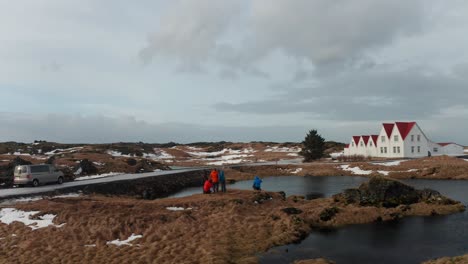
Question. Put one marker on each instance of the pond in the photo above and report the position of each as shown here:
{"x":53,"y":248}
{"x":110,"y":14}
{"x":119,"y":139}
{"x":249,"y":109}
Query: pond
{"x":294,"y":185}
{"x":409,"y":240}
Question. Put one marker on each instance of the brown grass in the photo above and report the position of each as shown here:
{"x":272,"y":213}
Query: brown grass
{"x":449,"y":260}
{"x":221,"y":228}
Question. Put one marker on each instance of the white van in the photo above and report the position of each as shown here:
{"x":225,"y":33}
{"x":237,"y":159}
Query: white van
{"x":37,"y":174}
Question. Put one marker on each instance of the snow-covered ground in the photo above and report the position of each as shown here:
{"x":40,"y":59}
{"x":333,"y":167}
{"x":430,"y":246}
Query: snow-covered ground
{"x":177,"y":208}
{"x":389,"y":163}
{"x":37,"y":198}
{"x":296,"y":171}
{"x":126,"y":242}
{"x":63,"y":151}
{"x":10,"y":215}
{"x":359,"y":171}
{"x":355,"y":170}
{"x":282,"y":149}
{"x":82,"y":178}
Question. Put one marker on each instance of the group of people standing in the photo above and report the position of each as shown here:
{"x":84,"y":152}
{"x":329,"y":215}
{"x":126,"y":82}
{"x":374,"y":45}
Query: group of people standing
{"x":214,"y":180}
{"x":217,"y":178}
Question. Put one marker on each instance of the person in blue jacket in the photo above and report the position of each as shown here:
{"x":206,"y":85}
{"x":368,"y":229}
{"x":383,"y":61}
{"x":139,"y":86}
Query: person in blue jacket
{"x":222,"y":180}
{"x":257,"y":183}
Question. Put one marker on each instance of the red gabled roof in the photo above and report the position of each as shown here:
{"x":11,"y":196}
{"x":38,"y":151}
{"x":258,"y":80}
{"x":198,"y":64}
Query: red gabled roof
{"x":356,"y":139}
{"x":405,"y":128}
{"x":366,"y":139}
{"x":388,"y":129}
{"x":375,"y":138}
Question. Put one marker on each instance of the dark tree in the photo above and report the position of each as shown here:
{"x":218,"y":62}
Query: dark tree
{"x":313,"y":146}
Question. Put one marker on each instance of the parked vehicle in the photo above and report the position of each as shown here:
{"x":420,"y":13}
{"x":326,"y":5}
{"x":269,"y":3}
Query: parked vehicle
{"x":37,"y":174}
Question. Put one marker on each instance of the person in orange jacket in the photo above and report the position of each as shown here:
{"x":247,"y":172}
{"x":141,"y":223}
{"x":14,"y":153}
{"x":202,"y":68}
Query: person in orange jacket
{"x":207,"y":187}
{"x":215,"y":180}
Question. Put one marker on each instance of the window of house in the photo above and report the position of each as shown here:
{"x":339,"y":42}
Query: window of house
{"x":394,"y":149}
{"x":382,"y":138}
{"x":412,"y":149}
{"x":385,"y":149}
{"x":412,"y":137}
{"x":419,"y":149}
{"x":362,"y":144}
{"x":395,"y":138}
{"x":398,"y":149}
{"x":436,"y":149}
{"x":381,"y":150}
{"x":370,"y":144}
{"x":353,"y":144}
{"x":419,"y":137}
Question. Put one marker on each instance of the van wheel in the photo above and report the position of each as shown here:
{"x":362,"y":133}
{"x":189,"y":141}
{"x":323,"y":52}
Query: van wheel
{"x":60,"y":180}
{"x":35,"y":183}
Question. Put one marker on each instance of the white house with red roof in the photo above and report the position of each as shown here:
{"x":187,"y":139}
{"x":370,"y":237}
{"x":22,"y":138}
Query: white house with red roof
{"x":400,"y":140}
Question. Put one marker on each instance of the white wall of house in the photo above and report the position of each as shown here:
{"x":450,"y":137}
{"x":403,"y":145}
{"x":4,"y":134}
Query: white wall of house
{"x":396,"y":144}
{"x":416,"y":143}
{"x":453,"y":150}
{"x":383,"y":144}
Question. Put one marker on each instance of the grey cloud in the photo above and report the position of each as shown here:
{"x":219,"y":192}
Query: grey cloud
{"x":365,"y":95}
{"x":98,"y":129}
{"x":329,"y":34}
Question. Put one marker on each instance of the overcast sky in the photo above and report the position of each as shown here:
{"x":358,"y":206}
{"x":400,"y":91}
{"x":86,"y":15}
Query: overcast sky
{"x":237,"y":70}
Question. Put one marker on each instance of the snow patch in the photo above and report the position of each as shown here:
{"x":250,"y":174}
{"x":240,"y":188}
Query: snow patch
{"x":390,"y":163}
{"x":10,"y":215}
{"x":63,"y":151}
{"x":282,"y":149}
{"x":126,"y":242}
{"x":297,"y":170}
{"x":355,"y":170}
{"x":78,"y":171}
{"x":177,"y":208}
{"x":98,"y":176}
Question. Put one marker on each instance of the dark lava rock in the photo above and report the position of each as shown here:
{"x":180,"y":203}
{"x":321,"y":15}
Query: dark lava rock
{"x":328,"y":213}
{"x":380,"y":191}
{"x":291,"y":210}
{"x":132,"y":162}
{"x":352,"y":196}
{"x":283,"y":195}
{"x":51,"y":160}
{"x":314,"y":195}
{"x":146,"y":165}
{"x":260,"y":197}
{"x":87,"y":167}
{"x":434,"y":197}
{"x":383,"y":192}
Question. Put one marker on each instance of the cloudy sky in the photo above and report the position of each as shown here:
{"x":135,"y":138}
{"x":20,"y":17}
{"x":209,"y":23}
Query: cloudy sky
{"x":238,"y":70}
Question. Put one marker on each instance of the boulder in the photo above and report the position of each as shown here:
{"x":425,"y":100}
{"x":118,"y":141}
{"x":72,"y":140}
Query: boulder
{"x":328,"y":213}
{"x":291,"y":210}
{"x":85,"y":167}
{"x":381,"y":192}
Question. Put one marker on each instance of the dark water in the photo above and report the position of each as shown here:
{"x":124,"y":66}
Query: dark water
{"x":294,"y":185}
{"x":409,"y":240}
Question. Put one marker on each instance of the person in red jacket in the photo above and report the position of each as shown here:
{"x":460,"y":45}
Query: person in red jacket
{"x":215,"y":180}
{"x":207,"y":187}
